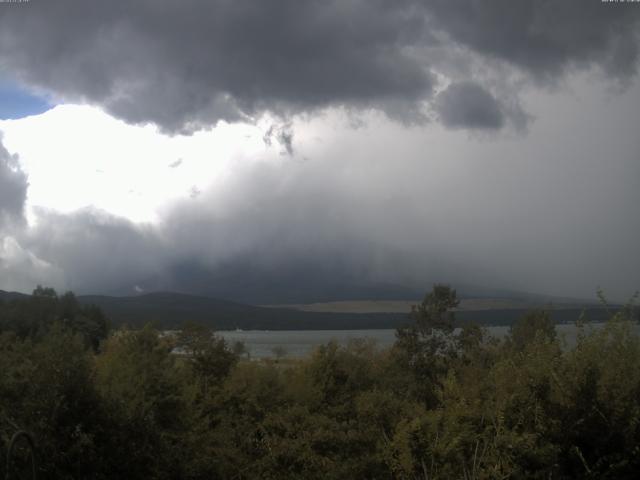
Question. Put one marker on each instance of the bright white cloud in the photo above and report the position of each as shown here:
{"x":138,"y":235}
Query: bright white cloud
{"x":78,"y":156}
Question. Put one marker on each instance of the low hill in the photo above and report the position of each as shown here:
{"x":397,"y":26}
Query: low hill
{"x":404,"y":306}
{"x":170,"y":310}
{"x":167,"y":310}
{"x":8,"y":296}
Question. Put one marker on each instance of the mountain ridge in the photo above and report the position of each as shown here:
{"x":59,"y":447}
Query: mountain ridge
{"x":169,"y":310}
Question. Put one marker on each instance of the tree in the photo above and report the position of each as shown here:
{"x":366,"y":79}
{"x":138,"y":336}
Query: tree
{"x":140,"y":383}
{"x":279,"y":351}
{"x":240,"y":349}
{"x":427,"y":345}
{"x":207,"y":354}
{"x":47,"y":389}
{"x":534,"y":325}
{"x":46,"y":292}
{"x":34,"y":316}
{"x":435,"y":312}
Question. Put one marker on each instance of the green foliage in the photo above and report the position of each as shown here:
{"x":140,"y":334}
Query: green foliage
{"x":140,"y":385}
{"x":534,"y":326}
{"x":445,"y":402}
{"x":207,"y":354}
{"x":46,"y":388}
{"x":427,"y":346}
{"x":34,"y":316}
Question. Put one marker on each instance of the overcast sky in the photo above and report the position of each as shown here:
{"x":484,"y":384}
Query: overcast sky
{"x":200,"y":144}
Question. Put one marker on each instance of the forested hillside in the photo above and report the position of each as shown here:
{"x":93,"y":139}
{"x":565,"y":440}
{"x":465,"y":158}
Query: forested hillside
{"x":440,"y":404}
{"x":167,"y":310}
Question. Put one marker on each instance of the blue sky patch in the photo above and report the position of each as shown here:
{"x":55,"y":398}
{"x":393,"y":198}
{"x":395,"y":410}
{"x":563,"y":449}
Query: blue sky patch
{"x":17,"y":103}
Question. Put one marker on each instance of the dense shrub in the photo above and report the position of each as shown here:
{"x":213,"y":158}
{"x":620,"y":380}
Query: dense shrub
{"x":441,"y":403}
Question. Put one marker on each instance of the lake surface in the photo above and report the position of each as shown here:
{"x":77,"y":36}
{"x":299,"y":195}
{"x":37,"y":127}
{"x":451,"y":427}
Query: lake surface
{"x":299,"y":343}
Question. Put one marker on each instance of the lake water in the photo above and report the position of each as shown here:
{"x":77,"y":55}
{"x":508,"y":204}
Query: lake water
{"x":298,"y":343}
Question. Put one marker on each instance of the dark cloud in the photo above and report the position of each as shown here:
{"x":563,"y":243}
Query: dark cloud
{"x":13,"y":187}
{"x":97,"y":251}
{"x":286,"y":138}
{"x":187,"y":64}
{"x":283,"y":134}
{"x":468,"y":105}
{"x":184,"y":65}
{"x":545,"y":37}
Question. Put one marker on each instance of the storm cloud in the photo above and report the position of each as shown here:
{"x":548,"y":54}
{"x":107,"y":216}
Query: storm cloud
{"x":386,"y":210}
{"x":545,"y":38}
{"x":468,"y":105}
{"x":96,"y":250}
{"x":185,"y":65}
{"x":403,"y":200}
